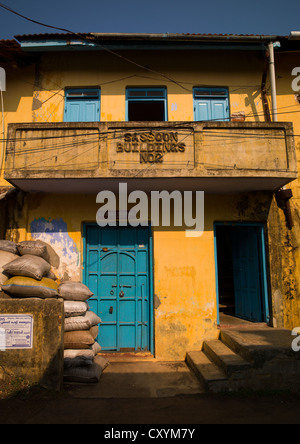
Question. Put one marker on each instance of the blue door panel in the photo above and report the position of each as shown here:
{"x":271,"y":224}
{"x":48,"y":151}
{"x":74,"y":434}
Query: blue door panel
{"x":118,"y":272}
{"x":93,"y":305}
{"x":247,"y":273}
{"x":127,"y":337}
{"x":108,"y":337}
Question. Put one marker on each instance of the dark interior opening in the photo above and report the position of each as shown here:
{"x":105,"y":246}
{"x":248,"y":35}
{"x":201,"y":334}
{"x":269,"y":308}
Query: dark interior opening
{"x":225,"y":270}
{"x":146,"y":111}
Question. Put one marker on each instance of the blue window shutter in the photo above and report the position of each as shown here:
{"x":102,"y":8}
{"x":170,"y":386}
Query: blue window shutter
{"x":90,"y":111}
{"x":73,"y":112}
{"x":219,"y":109}
{"x":82,"y":105}
{"x":203,"y":110}
{"x":211,"y":104}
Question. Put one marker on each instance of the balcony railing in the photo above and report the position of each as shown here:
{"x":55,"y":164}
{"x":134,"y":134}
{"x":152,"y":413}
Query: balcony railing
{"x":257,"y":155}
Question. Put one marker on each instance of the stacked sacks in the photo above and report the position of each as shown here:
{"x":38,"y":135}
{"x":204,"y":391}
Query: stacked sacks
{"x":29,"y":272}
{"x":8,"y":253}
{"x":25,"y":272}
{"x":81,"y":331}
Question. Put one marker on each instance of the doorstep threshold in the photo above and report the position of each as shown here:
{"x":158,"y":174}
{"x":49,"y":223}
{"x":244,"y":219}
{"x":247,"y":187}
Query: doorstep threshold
{"x":127,"y":356}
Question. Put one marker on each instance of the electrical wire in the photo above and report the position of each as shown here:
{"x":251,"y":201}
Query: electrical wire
{"x":89,"y":39}
{"x":213,"y":136}
{"x":95,"y":42}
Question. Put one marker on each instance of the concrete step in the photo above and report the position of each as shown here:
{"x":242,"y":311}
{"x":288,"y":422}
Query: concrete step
{"x":248,"y":359}
{"x":225,"y":358}
{"x":209,"y":374}
{"x":260,"y":345}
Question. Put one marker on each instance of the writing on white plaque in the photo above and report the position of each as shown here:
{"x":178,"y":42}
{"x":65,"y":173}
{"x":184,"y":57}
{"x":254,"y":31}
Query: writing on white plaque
{"x":16,"y":331}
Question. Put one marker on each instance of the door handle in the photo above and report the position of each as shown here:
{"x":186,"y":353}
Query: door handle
{"x":111,"y":310}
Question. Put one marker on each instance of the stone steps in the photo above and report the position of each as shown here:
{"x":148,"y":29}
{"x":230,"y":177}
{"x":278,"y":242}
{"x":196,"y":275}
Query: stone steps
{"x":260,"y":359}
{"x":208,"y":373}
{"x":225,"y":358}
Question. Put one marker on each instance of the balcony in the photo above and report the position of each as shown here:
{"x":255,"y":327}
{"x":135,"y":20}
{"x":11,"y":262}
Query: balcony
{"x":216,"y":157}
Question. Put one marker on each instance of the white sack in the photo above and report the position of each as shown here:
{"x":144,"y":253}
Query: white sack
{"x":85,"y":322}
{"x":75,"y":308}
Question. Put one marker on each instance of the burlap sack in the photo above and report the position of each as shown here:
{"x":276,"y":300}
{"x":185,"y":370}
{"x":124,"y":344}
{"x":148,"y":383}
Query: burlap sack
{"x":29,"y":266}
{"x":78,"y":358}
{"x":74,"y":291}
{"x":101,"y":361}
{"x":5,"y":258}
{"x":25,"y":287}
{"x":96,"y":348}
{"x":36,"y":248}
{"x":9,"y":246}
{"x":78,"y":340}
{"x":75,"y":308}
{"x":87,"y":374}
{"x":85,"y":322}
{"x":51,"y":275}
{"x":94,"y":331}
{"x":71,"y":354}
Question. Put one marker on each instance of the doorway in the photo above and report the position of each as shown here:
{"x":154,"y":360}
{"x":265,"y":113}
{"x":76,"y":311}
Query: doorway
{"x":241,"y":271}
{"x":118,"y":270}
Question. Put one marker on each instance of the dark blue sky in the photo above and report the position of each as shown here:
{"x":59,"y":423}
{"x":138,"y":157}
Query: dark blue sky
{"x":153,"y":16}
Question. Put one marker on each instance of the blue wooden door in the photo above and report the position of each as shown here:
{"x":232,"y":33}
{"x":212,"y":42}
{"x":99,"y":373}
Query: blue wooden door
{"x":117,"y":270}
{"x":247,"y":273}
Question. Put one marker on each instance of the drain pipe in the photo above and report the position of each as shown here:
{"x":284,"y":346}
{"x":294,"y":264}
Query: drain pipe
{"x":273,"y":80}
{"x":263,"y":89}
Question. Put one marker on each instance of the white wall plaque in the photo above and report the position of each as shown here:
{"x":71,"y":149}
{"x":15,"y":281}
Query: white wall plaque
{"x":16,"y":331}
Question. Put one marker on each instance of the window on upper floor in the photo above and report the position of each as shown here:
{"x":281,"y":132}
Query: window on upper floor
{"x":82,"y":105}
{"x":146,"y":105}
{"x":211,"y":104}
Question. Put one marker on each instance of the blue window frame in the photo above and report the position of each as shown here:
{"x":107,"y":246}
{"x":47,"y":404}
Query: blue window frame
{"x":211,"y":104}
{"x":82,"y":105}
{"x":146,"y":104}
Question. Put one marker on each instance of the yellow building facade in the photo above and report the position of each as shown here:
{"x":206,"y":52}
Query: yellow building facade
{"x":84,"y":114}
